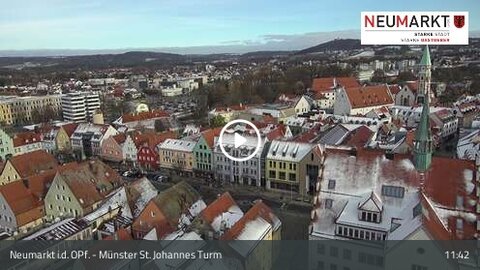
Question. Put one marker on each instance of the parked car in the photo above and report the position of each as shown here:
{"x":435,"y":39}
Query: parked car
{"x":161,"y":178}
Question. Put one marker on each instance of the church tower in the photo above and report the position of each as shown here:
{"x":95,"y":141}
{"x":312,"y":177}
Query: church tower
{"x":423,"y":145}
{"x":425,"y":77}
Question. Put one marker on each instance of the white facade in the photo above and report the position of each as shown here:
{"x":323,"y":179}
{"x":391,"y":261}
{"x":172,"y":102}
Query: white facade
{"x":245,"y":172}
{"x":405,"y":97}
{"x":80,"y":106}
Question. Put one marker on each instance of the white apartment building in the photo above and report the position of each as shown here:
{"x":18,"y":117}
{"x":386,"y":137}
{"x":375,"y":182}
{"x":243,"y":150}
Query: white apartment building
{"x":80,"y":106}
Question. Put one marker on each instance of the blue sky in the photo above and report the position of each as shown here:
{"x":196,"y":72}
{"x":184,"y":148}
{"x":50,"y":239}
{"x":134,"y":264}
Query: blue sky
{"x":117,"y":24}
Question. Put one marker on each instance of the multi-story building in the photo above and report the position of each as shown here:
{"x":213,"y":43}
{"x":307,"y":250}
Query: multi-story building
{"x":147,"y":154}
{"x":21,"y":210}
{"x":176,"y":154}
{"x":242,"y":172}
{"x":26,"y":142}
{"x":361,"y":100}
{"x":80,"y":106}
{"x":323,"y":89}
{"x":6,"y":145}
{"x":203,"y":152}
{"x":87,"y":139}
{"x":26,"y":165}
{"x":293,"y":167}
{"x":20,"y":110}
{"x":78,"y":190}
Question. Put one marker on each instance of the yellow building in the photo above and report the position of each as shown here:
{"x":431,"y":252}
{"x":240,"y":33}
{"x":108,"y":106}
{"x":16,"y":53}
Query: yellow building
{"x":22,"y":166}
{"x":293,"y":167}
{"x":176,"y":154}
{"x":19,"y":110}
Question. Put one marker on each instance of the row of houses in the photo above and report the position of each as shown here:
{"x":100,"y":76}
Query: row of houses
{"x":84,"y":201}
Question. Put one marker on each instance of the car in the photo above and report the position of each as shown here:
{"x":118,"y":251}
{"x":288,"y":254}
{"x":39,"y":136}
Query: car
{"x":161,"y":178}
{"x":127,"y":173}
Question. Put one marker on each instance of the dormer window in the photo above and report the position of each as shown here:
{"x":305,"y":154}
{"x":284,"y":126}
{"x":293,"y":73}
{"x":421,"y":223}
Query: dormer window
{"x":370,"y":209}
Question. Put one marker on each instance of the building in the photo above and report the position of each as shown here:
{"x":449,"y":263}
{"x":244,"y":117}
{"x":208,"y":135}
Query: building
{"x":468,"y":146}
{"x":25,"y":165}
{"x":78,"y":190}
{"x":21,"y":210}
{"x":147,"y":154}
{"x":26,"y":142}
{"x":203,"y":152}
{"x":80,"y":106}
{"x":56,"y":139}
{"x":6,"y":145}
{"x":280,"y":112}
{"x":293,"y":167}
{"x":446,"y":122}
{"x":87,"y":139}
{"x":240,"y":172}
{"x":407,"y":96}
{"x":176,"y":154}
{"x":324,"y":89}
{"x":146,"y":119}
{"x":361,"y":100}
{"x":259,"y":225}
{"x":302,"y":104}
{"x":21,"y":110}
{"x":218,"y":217}
{"x":170,"y":210}
{"x":228,"y":113}
{"x":112,"y":148}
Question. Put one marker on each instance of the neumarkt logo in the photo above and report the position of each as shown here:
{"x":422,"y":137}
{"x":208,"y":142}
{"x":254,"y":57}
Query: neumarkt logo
{"x":414,"y":28}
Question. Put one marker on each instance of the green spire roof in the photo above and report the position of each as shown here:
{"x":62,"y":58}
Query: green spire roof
{"x":426,"y":57}
{"x":423,"y":147}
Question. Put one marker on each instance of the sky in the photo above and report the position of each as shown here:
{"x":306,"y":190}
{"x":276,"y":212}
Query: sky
{"x":177,"y":24}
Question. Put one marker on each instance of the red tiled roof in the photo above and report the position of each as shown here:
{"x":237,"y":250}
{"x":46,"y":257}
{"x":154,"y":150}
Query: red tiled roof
{"x":120,"y":138}
{"x":120,"y":234}
{"x":394,"y":89}
{"x":152,"y":139}
{"x":126,"y":118}
{"x":369,"y":96}
{"x":327,"y":83}
{"x":25,"y":138}
{"x":236,"y":107}
{"x":33,"y":163}
{"x":259,"y":209}
{"x":210,"y":134}
{"x":359,"y":137}
{"x":23,"y":203}
{"x":69,"y":128}
{"x":277,"y":133}
{"x":217,"y":207}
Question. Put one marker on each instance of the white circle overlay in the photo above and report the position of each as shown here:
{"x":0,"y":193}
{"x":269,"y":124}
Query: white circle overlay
{"x":240,"y":121}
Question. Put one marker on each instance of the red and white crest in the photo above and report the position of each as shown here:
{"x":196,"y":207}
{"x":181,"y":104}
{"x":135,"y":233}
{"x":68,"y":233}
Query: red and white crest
{"x":459,"y":21}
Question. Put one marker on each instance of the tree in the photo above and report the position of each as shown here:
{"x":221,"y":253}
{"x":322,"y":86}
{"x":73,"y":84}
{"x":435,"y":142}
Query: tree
{"x":405,"y":76}
{"x":378,"y":76}
{"x":159,"y":126}
{"x":217,"y":121}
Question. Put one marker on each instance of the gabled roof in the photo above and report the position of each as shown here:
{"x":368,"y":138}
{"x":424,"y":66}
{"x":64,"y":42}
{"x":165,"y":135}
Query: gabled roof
{"x":70,"y":128}
{"x":27,"y":137}
{"x":372,"y":203}
{"x":369,"y":96}
{"x":210,"y":134}
{"x":120,"y":138}
{"x":328,"y":83}
{"x":33,"y":163}
{"x":152,"y":139}
{"x":359,"y":137}
{"x":23,"y":203}
{"x":258,"y":211}
{"x":220,"y":205}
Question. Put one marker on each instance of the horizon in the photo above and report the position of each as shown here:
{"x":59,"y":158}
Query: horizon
{"x":190,"y":27}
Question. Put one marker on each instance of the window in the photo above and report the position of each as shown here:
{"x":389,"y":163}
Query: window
{"x":417,"y":210}
{"x":292,"y":177}
{"x":419,"y":267}
{"x":331,"y":184}
{"x":282,"y":176}
{"x":347,"y":254}
{"x":393,"y":191}
{"x":152,"y":214}
{"x":334,"y":251}
{"x":321,"y":249}
{"x":328,"y":203}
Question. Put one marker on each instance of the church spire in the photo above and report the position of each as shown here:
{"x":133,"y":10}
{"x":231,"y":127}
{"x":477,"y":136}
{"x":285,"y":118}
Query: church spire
{"x":424,"y":76}
{"x":423,"y":147}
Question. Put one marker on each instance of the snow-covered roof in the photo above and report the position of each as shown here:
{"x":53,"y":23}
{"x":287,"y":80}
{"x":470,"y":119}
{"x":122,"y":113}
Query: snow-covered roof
{"x":289,"y":151}
{"x":177,"y":145}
